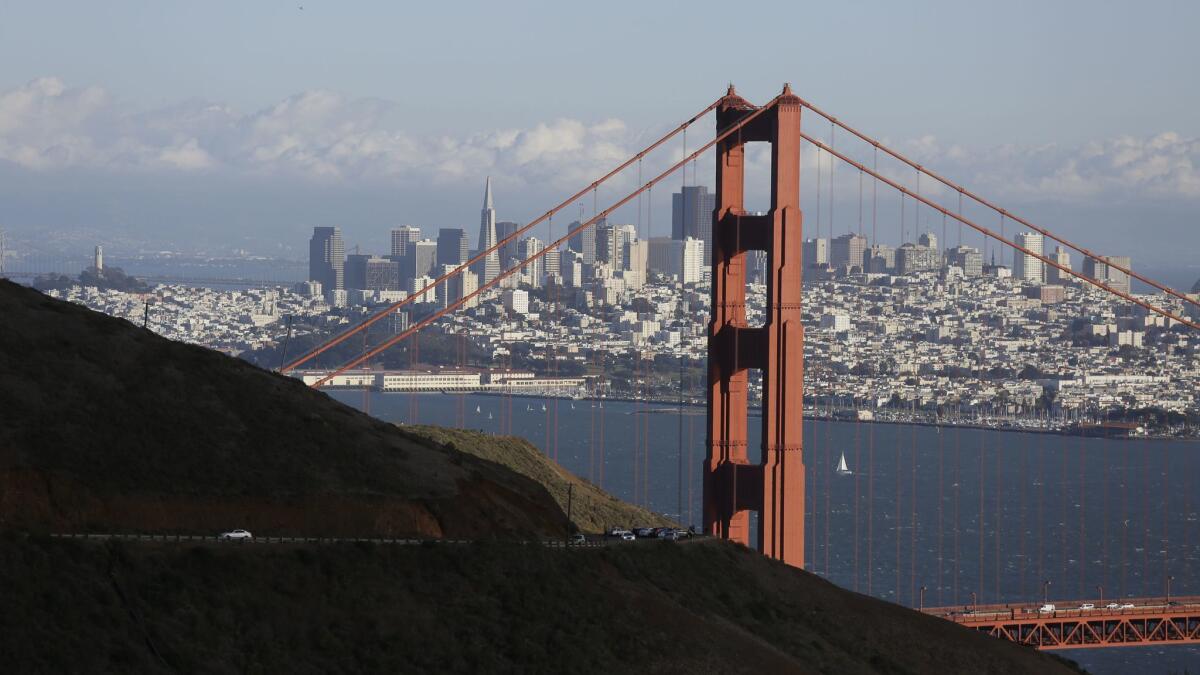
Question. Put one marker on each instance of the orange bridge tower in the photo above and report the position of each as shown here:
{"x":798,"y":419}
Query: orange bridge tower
{"x":774,"y":487}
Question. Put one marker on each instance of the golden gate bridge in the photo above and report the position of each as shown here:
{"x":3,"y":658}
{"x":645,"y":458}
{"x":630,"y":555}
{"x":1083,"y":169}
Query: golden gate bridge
{"x":773,"y":484}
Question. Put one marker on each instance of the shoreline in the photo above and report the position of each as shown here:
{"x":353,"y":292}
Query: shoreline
{"x":672,"y":407}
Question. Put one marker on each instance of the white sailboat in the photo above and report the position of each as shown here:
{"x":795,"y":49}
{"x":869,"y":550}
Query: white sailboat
{"x":489,"y":415}
{"x":476,"y":410}
{"x":842,"y":469}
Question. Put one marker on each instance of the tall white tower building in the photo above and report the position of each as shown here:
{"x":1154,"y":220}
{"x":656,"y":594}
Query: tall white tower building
{"x":99,"y":261}
{"x":490,"y":267}
{"x":1027,"y":267}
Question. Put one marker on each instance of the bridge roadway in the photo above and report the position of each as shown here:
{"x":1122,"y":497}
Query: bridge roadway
{"x":1127,"y":623}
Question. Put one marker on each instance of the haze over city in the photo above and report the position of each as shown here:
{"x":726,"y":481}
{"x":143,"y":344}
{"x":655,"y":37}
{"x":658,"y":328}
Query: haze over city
{"x":254,"y":122}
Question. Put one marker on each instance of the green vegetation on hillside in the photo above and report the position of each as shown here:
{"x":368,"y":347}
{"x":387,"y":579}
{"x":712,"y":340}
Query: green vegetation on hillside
{"x":592,"y":509}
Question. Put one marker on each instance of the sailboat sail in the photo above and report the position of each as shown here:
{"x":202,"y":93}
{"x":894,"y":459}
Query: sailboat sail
{"x":841,"y":467}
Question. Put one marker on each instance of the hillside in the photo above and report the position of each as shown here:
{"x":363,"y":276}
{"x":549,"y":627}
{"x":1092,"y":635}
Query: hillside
{"x":108,"y":427}
{"x":592,"y":509}
{"x":655,"y":607}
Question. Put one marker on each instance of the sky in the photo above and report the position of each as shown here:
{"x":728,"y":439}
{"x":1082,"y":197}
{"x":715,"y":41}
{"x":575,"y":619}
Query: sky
{"x":243,"y":124}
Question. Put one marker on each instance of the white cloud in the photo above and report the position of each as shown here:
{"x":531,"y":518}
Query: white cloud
{"x":323,"y":136}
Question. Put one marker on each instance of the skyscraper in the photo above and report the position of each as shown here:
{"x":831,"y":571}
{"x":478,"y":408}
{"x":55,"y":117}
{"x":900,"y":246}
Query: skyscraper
{"x":489,"y":267}
{"x":1027,"y":267}
{"x":403,"y":236}
{"x":533,"y":271}
{"x":692,"y":216}
{"x":967,"y":258}
{"x":1055,"y":275}
{"x":452,"y":246}
{"x":816,"y":252}
{"x":1101,"y":271}
{"x":327,"y":258}
{"x":369,"y":273}
{"x":508,"y":252}
{"x":692,"y":267}
{"x":849,"y":250}
{"x":420,"y":261}
{"x":584,"y":241}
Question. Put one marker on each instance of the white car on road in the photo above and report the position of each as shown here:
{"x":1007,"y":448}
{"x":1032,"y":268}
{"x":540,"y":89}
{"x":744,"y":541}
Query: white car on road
{"x":236,"y":535}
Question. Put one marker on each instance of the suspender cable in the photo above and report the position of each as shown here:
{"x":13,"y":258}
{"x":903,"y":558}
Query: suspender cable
{"x":962,"y":190}
{"x":736,"y":127}
{"x":507,"y":240}
{"x":993,"y":235}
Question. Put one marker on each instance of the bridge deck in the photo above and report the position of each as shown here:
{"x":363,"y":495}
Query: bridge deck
{"x":1069,"y":626}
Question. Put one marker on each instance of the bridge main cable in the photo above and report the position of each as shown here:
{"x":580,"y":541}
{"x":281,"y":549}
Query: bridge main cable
{"x":990,"y":233}
{"x":547,"y":249}
{"x":380,"y":315}
{"x":984,"y":202}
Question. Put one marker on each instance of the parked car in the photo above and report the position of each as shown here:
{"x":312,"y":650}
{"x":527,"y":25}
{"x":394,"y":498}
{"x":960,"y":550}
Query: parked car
{"x":683,"y":534}
{"x":1046,"y":609}
{"x":236,"y":535}
{"x":644,"y":532}
{"x":628,"y":536}
{"x":668,"y":534}
{"x":578,"y":538}
{"x":618,"y":532}
{"x":1087,"y":605}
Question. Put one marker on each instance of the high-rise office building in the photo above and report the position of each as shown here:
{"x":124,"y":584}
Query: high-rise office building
{"x":1102,"y":271}
{"x":403,"y":236}
{"x":327,"y":258}
{"x":459,"y":286}
{"x":634,"y":270}
{"x":692,"y":266}
{"x":692,"y":216}
{"x":966,"y":258}
{"x":663,"y":256}
{"x":1027,"y":267}
{"x":881,"y":259}
{"x":508,"y":252}
{"x":816,"y":252}
{"x":370,"y":273}
{"x":610,"y":244}
{"x":584,"y":242}
{"x":848,"y":250}
{"x":571,"y":268}
{"x":1055,"y":275}
{"x":912,"y":258}
{"x":928,"y":240}
{"x":421,"y":260}
{"x":453,"y":246}
{"x":534,"y":271}
{"x":489,"y":266}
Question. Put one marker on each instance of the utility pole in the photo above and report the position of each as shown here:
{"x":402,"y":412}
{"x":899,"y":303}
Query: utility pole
{"x":570,"y":499}
{"x":1,"y":253}
{"x":146,"y":314}
{"x":287,"y":338}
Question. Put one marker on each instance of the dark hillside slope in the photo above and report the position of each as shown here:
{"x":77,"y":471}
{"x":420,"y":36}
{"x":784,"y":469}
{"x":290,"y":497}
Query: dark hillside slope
{"x":107,"y":427}
{"x":654,"y":607}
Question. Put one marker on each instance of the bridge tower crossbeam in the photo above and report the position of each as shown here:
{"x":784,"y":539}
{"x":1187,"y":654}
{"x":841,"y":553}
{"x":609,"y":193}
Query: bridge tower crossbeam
{"x":774,"y":486}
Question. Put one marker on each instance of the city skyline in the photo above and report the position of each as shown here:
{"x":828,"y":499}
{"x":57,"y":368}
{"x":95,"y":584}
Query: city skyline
{"x":132,"y":154}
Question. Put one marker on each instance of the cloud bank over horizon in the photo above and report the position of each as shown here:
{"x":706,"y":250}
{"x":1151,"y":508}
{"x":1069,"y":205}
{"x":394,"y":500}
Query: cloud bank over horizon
{"x":91,"y":158}
{"x":322,"y":136}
